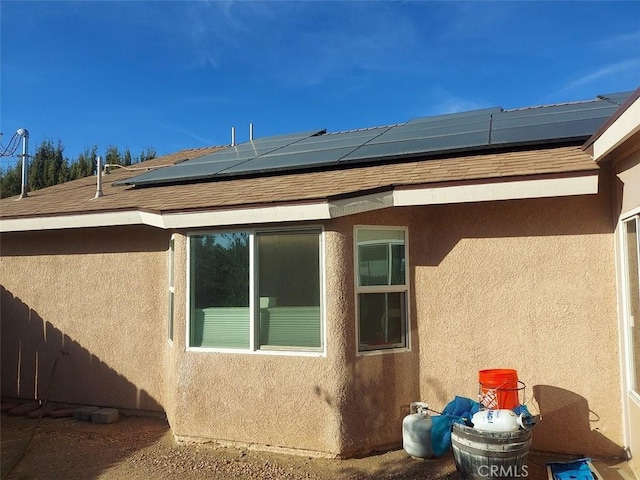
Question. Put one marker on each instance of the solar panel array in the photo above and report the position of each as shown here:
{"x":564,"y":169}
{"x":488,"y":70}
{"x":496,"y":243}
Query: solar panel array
{"x":422,"y":137}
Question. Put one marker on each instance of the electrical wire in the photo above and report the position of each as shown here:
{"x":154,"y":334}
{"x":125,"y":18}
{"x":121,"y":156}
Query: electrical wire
{"x":11,"y":147}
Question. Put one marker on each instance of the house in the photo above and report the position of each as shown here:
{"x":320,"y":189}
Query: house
{"x":297,"y":292}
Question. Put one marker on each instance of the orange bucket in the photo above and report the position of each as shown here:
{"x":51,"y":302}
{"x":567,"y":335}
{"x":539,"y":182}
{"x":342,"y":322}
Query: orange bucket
{"x":499,"y":388}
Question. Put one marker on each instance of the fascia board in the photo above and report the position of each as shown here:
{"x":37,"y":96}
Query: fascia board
{"x":482,"y":192}
{"x":273,"y":214}
{"x":285,"y":213}
{"x":485,"y":192}
{"x":624,"y":127}
{"x":107,"y":219}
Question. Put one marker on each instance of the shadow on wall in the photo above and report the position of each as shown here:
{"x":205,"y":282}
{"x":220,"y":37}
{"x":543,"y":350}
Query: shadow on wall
{"x":565,"y":411}
{"x":30,"y":347}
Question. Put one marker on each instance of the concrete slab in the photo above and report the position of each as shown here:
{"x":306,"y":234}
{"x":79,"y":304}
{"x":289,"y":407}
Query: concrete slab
{"x":105,"y":415}
{"x":6,"y":406}
{"x":62,"y":412}
{"x":45,"y":412}
{"x":84,"y":413}
{"x":23,"y":409}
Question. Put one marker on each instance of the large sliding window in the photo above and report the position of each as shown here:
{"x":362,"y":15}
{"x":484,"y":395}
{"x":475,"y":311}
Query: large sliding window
{"x":631,"y":238}
{"x":381,"y":288}
{"x":256,"y":290}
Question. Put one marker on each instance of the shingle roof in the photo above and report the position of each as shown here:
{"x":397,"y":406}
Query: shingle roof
{"x":461,"y":133}
{"x":77,"y":197}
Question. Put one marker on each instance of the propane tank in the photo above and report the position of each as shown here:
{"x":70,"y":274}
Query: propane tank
{"x":497,"y":421}
{"x":416,"y":431}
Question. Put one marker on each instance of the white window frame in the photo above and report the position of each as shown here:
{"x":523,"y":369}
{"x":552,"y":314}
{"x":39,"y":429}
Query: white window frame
{"x":254,"y":348}
{"x":629,"y":368}
{"x":406,"y":289}
{"x":171,"y":289}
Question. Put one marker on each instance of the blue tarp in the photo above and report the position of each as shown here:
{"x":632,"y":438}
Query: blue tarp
{"x":457,"y":411}
{"x":577,"y":469}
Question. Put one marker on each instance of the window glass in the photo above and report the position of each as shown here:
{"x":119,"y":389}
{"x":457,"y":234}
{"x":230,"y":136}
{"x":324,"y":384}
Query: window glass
{"x":633,"y":303}
{"x":220,"y":290}
{"x":289,"y":289}
{"x":382,"y":290}
{"x":270,"y":278}
{"x":382,"y":319}
{"x":171,"y":288}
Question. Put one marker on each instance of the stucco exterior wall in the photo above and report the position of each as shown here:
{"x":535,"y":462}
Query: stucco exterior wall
{"x":324,"y":405}
{"x":527,"y":284}
{"x":628,"y":173}
{"x":97,"y":294}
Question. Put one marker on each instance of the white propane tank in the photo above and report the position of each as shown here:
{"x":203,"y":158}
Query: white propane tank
{"x":496,"y":421}
{"x":416,"y":431}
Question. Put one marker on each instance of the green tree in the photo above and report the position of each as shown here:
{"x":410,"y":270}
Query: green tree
{"x":147,"y":154}
{"x":11,"y":181}
{"x":126,"y":158}
{"x":113,"y":157}
{"x":85,"y":164}
{"x":47,"y":166}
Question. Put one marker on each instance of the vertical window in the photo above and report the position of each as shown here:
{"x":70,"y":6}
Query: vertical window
{"x":171,"y":288}
{"x":632,"y":254}
{"x":381,"y":288}
{"x":220,"y":290}
{"x":256,"y":290}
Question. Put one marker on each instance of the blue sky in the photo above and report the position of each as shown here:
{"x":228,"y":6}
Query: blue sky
{"x":179,"y":74}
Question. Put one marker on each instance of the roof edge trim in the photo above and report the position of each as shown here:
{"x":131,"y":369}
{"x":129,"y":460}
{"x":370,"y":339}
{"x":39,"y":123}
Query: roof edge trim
{"x":586,"y":184}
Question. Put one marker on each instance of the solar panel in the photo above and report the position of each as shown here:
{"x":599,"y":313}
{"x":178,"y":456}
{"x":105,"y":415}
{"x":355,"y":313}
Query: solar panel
{"x":428,"y":136}
{"x":556,"y":122}
{"x":215,"y":163}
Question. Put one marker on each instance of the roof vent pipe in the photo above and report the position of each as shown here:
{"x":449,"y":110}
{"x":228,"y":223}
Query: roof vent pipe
{"x":23,"y":132}
{"x":99,"y":177}
{"x":233,"y":136}
{"x":251,"y":132}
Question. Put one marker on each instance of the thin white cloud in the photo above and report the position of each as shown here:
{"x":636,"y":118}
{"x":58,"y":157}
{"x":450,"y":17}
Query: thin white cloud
{"x":188,"y":133}
{"x":605,"y":72}
{"x":620,"y":41}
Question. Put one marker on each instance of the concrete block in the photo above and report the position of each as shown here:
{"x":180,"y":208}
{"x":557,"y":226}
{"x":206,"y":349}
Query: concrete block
{"x":84,"y":413}
{"x":105,"y":415}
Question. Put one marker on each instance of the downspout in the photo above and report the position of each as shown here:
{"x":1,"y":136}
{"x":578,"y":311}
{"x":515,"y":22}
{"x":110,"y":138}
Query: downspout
{"x":24,"y":133}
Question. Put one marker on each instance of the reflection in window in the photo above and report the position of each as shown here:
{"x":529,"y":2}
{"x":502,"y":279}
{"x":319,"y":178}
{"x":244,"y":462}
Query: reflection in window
{"x":381,"y":285}
{"x":281,"y":311}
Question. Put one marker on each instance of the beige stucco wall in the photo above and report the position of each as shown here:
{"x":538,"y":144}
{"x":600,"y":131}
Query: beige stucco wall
{"x":627,"y":171}
{"x":99,"y":294}
{"x":321,"y":404}
{"x":526,"y":284}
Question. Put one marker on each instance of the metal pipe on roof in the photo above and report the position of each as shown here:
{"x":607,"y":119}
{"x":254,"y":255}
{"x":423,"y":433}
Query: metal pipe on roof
{"x":251,"y":132}
{"x":24,"y":133}
{"x":99,"y":174}
{"x":233,"y":136}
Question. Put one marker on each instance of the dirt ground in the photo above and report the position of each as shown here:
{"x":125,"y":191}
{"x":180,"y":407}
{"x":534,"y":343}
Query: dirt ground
{"x":140,"y":448}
